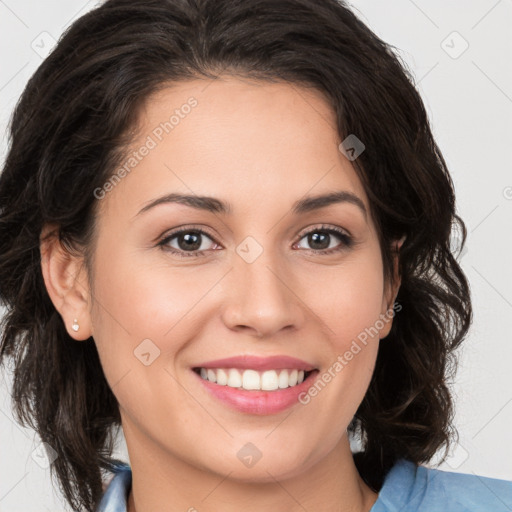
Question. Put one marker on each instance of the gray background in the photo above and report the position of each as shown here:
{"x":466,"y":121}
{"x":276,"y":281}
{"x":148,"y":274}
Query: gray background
{"x":468,"y":94}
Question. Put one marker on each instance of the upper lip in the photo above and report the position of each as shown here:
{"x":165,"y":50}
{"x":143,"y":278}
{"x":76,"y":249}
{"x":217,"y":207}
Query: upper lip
{"x":258,"y":363}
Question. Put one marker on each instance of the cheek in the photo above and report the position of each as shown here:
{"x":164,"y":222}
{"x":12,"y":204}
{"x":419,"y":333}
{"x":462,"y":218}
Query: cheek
{"x":140,"y":301}
{"x":351,"y":308}
{"x":350,"y":299}
{"x":144,"y":315}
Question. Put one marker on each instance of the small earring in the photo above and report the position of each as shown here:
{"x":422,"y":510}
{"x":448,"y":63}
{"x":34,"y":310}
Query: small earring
{"x":75,"y":325}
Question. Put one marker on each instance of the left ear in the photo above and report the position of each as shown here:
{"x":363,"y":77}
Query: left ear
{"x":391,"y":291}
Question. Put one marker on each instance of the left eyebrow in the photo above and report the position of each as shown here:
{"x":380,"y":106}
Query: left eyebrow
{"x":215,"y":205}
{"x":321,"y":201}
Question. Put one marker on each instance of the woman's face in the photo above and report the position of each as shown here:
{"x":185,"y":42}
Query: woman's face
{"x":248,"y":280}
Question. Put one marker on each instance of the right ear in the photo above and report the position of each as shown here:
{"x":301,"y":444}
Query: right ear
{"x":65,"y":279}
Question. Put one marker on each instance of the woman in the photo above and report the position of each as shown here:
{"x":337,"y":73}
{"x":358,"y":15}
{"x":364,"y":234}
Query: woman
{"x":225,"y":227}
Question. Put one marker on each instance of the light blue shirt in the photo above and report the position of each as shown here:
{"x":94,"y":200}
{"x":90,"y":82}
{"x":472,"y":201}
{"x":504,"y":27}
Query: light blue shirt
{"x":407,"y":488}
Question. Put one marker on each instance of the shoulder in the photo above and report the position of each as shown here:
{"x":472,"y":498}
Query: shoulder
{"x":115,"y":496}
{"x":415,"y":488}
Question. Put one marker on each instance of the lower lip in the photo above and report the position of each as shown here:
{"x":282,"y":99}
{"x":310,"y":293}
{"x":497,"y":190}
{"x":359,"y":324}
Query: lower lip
{"x":258,"y":402}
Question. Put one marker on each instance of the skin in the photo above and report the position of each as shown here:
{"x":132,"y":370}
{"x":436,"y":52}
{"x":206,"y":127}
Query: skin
{"x":260,"y":147}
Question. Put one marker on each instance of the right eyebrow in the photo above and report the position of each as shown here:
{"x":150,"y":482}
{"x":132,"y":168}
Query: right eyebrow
{"x":210,"y":204}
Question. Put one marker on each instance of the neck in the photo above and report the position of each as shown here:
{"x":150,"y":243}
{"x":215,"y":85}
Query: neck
{"x":331,"y":485}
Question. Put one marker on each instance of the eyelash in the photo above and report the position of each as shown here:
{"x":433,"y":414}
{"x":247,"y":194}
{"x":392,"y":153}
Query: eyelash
{"x":346,"y":241}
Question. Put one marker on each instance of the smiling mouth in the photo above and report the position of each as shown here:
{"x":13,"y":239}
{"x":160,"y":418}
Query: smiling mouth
{"x":249,"y":379}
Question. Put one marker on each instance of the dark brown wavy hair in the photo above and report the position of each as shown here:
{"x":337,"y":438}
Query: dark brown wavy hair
{"x":67,"y":136}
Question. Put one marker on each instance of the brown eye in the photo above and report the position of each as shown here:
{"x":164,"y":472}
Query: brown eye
{"x":187,"y":242}
{"x":323,"y":240}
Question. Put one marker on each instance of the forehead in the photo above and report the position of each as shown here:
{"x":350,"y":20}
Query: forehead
{"x":235,"y":138}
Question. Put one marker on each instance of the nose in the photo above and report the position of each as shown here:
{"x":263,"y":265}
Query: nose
{"x":260,"y":298}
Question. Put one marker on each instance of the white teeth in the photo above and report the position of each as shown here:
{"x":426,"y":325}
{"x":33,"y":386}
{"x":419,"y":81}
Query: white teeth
{"x":283,"y":380}
{"x":234,"y":379}
{"x":268,"y":380}
{"x":251,"y":380}
{"x":222,"y":377}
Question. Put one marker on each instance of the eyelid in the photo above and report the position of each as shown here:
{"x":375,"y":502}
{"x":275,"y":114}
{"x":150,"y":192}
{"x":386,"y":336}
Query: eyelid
{"x":187,"y":227}
{"x":323,"y":227}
